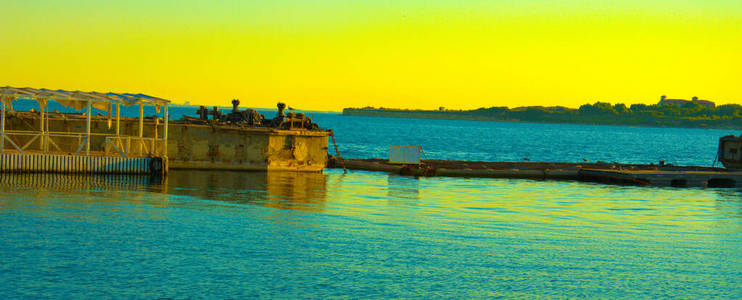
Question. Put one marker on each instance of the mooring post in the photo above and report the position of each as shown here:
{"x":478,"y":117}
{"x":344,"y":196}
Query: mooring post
{"x":87,"y":129}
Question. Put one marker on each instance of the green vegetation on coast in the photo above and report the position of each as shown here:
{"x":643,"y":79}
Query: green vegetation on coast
{"x":692,"y":114}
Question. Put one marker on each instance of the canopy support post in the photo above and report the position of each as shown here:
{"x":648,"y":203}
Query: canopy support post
{"x":42,"y":107}
{"x":46,"y":127}
{"x":141,"y":127}
{"x":118,"y":118}
{"x":87,"y":140}
{"x":110,"y":115}
{"x":2,"y":125}
{"x":164,"y":135}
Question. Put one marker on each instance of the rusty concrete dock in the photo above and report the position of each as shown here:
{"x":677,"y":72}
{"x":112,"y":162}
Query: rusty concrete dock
{"x":612,"y":173}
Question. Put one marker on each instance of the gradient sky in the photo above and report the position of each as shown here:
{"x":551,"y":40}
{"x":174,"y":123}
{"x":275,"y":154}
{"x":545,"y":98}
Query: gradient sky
{"x":326,"y":55}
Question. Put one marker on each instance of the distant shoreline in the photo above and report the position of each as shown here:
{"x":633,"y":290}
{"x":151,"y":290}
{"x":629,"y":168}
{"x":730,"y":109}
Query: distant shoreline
{"x":692,"y":115}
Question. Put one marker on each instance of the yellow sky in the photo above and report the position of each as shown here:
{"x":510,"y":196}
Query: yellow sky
{"x":326,"y":55}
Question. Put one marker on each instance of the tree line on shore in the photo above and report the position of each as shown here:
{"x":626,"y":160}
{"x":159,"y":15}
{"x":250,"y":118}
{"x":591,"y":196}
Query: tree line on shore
{"x":691,"y":114}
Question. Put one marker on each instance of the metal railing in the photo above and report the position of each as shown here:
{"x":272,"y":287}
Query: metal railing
{"x":25,"y":139}
{"x":132,"y":146}
{"x":60,"y":142}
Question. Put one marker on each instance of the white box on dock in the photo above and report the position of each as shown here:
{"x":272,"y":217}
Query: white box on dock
{"x":405,"y":154}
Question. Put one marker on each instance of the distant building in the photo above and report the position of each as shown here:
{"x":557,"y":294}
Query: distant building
{"x":665,"y":101}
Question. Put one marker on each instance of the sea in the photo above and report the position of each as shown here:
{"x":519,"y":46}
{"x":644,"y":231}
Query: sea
{"x":218,"y":234}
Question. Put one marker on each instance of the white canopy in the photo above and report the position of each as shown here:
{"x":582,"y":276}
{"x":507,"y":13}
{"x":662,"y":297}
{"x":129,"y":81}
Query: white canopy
{"x":77,"y":99}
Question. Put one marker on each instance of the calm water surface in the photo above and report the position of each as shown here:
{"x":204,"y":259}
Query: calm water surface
{"x":366,"y":234}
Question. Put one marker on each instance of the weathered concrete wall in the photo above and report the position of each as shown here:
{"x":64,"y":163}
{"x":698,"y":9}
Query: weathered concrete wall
{"x":207,"y":147}
{"x":194,"y":146}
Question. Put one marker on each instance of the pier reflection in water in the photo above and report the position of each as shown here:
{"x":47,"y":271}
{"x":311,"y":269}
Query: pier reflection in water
{"x":73,"y":182}
{"x":403,"y":189}
{"x":83,"y":197}
{"x":282,"y":190}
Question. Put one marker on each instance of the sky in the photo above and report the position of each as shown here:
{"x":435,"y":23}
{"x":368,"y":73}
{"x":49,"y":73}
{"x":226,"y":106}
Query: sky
{"x":327,"y":55}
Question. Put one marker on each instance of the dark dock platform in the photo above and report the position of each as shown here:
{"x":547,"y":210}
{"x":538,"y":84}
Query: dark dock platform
{"x":677,"y":178}
{"x":612,"y":173}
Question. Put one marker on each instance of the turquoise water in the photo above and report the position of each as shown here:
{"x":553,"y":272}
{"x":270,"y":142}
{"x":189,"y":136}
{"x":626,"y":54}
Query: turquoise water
{"x":374,"y":235}
{"x":365,"y":234}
